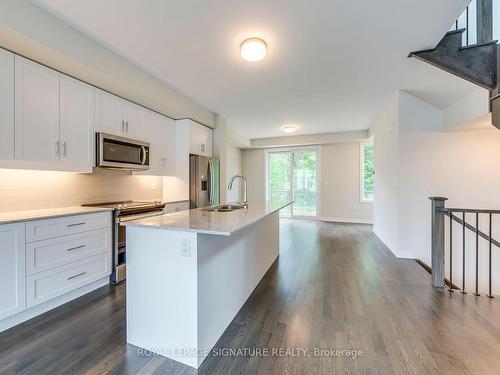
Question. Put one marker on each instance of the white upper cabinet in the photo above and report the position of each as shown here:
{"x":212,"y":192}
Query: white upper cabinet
{"x":36,"y":112}
{"x":162,"y":150}
{"x":6,"y":105}
{"x":120,"y":117}
{"x":76,"y":118}
{"x":12,"y":270}
{"x":200,"y":138}
{"x":109,"y":113}
{"x":134,"y":117}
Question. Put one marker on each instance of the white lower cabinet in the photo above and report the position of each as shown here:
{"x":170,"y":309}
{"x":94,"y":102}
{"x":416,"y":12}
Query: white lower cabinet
{"x":53,"y":283}
{"x":42,"y":260}
{"x":12,"y":270}
{"x":62,"y":226}
{"x":176,"y":207}
{"x":54,"y":252}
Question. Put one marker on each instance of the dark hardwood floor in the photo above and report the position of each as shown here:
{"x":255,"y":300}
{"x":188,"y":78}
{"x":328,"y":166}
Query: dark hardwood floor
{"x":333,"y":286}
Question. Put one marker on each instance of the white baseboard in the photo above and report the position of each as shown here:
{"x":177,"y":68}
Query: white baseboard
{"x":49,"y":305}
{"x":345,"y":220}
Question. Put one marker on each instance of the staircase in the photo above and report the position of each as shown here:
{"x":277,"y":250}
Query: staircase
{"x":478,"y":63}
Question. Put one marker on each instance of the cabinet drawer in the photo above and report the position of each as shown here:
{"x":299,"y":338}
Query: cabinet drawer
{"x":169,"y":208}
{"x":183,"y":206}
{"x":176,"y":207}
{"x":44,"y":286}
{"x":49,"y":228}
{"x":54,"y":252}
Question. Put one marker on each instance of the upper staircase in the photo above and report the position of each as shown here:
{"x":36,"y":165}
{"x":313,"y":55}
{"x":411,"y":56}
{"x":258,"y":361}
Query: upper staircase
{"x":479,"y":62}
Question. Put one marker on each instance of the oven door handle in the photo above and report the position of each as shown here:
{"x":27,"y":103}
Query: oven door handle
{"x":124,"y":219}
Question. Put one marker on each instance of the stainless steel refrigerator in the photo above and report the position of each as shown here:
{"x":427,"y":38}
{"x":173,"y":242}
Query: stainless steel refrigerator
{"x":204,"y":181}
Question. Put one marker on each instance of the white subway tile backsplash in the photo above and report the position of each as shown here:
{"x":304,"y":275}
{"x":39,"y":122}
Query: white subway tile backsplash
{"x":26,"y":190}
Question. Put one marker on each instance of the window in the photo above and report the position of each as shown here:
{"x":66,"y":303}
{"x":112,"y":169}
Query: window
{"x":292,"y":175}
{"x":367,"y":171}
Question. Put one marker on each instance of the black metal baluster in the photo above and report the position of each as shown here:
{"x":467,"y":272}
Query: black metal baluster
{"x":456,"y":25}
{"x":463,"y":253}
{"x":489,"y":265}
{"x":477,"y":254}
{"x":450,"y":289}
{"x":467,"y":26}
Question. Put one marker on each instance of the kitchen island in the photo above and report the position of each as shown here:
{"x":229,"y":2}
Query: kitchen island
{"x":189,"y":273}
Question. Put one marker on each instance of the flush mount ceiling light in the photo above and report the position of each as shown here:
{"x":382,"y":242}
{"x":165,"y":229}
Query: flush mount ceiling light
{"x":289,"y":128}
{"x":253,"y":49}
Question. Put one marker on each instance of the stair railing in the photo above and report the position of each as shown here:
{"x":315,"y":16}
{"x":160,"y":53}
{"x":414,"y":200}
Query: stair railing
{"x":478,"y":20}
{"x":440,"y":214}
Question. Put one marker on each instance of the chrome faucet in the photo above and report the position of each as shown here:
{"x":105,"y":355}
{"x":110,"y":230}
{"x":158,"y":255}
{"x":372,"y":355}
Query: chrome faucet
{"x":245,"y":182}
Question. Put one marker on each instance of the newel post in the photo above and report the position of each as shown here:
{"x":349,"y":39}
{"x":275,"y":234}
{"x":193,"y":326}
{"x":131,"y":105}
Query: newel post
{"x":437,"y":241}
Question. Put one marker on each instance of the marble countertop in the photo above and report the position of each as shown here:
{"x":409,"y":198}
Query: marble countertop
{"x":200,"y":221}
{"x":20,"y":216}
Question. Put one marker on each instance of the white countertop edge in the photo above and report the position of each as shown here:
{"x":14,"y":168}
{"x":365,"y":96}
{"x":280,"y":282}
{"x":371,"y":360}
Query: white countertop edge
{"x":176,"y":201}
{"x":174,"y":229}
{"x":203,"y":231}
{"x":49,"y":213}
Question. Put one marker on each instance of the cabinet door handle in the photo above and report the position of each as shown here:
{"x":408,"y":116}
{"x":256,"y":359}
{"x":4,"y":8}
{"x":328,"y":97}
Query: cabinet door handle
{"x":75,"y":225}
{"x":58,"y":147}
{"x":123,"y":126}
{"x":77,"y":275}
{"x":126,"y":126}
{"x":76,"y":248}
{"x":64,"y":148}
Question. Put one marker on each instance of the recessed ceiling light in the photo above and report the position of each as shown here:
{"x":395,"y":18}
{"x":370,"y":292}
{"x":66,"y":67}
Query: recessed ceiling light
{"x":289,"y":128}
{"x":253,"y":49}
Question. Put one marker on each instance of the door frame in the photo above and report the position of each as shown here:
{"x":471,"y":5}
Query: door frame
{"x":316,"y":148}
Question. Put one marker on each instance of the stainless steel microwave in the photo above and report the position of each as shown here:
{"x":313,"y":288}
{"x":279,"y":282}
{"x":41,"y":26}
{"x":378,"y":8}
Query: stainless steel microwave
{"x":117,"y":152}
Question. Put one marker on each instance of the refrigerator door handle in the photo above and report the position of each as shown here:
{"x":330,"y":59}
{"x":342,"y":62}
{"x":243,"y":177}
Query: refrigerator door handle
{"x":210,"y":179}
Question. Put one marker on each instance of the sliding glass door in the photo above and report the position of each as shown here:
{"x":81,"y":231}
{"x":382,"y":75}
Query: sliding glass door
{"x":292,"y":175}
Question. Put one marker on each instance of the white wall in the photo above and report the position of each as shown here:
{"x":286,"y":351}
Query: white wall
{"x":32,"y":32}
{"x":233,"y":166}
{"x":253,"y":165}
{"x":422,"y":159}
{"x":27,"y":190}
{"x":385,"y":131}
{"x":339,"y":178}
{"x":254,"y":169}
{"x":340,"y":190}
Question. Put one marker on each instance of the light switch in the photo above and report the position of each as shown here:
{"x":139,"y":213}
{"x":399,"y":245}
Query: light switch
{"x":185,"y":247}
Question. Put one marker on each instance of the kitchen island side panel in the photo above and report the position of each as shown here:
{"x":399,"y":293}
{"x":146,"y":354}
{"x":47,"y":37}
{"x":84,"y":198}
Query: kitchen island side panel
{"x":162,"y":292}
{"x":229,"y":269}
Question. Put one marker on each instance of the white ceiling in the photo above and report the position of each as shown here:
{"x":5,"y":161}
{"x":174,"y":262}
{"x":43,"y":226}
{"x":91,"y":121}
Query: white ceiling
{"x":436,"y":86}
{"x":331,"y":63}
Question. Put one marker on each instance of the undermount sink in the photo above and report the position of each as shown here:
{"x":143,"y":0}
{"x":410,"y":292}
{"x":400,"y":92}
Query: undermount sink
{"x":223,"y":208}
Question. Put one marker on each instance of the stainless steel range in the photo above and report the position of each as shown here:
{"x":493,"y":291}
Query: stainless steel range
{"x":126,"y":211}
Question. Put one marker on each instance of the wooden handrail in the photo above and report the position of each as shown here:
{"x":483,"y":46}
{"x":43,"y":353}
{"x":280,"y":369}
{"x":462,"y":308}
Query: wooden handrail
{"x":446,"y":210}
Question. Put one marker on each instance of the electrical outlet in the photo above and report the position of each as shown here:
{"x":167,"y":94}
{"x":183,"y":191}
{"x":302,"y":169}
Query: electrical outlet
{"x":185,"y":247}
